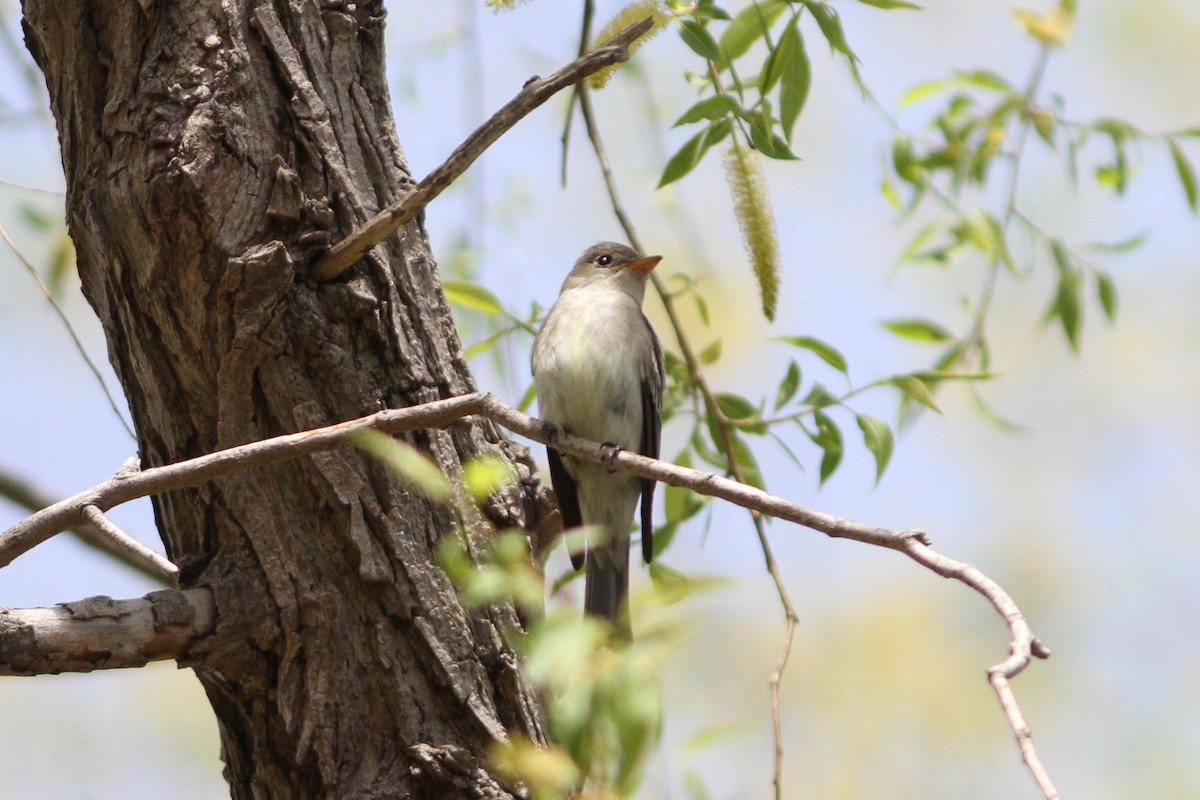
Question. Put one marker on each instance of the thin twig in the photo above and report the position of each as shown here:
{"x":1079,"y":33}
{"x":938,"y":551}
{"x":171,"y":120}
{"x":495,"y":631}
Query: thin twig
{"x":535,"y":92}
{"x":122,"y":542}
{"x":915,"y":544}
{"x":24,"y":494}
{"x":112,"y":402}
{"x":696,"y":376}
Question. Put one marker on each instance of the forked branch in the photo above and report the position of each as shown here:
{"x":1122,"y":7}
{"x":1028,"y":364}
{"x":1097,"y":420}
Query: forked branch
{"x":535,"y":92}
{"x":129,"y":485}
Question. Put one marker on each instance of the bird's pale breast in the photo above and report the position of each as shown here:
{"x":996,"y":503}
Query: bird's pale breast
{"x":589,"y":371}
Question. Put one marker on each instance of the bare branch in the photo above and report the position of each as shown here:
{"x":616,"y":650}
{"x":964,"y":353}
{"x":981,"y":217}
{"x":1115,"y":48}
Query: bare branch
{"x":128,"y":485}
{"x":145,"y":560}
{"x":102,"y":633}
{"x":535,"y":92}
{"x":122,"y":542}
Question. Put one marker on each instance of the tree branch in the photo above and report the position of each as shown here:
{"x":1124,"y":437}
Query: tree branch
{"x":129,"y":551}
{"x":535,"y":92}
{"x":128,"y":485}
{"x":102,"y":633}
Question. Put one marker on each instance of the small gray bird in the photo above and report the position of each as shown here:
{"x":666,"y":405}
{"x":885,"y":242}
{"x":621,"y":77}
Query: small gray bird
{"x":598,"y":368}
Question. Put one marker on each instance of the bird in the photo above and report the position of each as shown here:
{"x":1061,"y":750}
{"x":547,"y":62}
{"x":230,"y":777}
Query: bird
{"x":598,"y":368}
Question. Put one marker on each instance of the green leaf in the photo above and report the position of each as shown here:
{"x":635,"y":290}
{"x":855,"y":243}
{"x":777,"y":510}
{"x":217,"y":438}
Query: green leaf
{"x":795,"y":78}
{"x":879,"y":440}
{"x":890,"y":4}
{"x":746,"y":462}
{"x":918,"y":330}
{"x":825,"y":352}
{"x":916,"y":390}
{"x":486,"y":474}
{"x":829,"y":438}
{"x":831,"y":28}
{"x":1187,"y":175}
{"x":697,"y":37}
{"x":710,"y":108}
{"x":471,"y":295}
{"x":750,"y":25}
{"x":818,"y":396}
{"x":1123,"y":246}
{"x":1067,"y":308}
{"x":527,"y":398}
{"x":711,"y":353}
{"x":35,"y":217}
{"x":788,"y":386}
{"x":766,"y":141}
{"x":741,"y":413}
{"x":1106,"y":291}
{"x":688,"y":156}
{"x":415,"y":467}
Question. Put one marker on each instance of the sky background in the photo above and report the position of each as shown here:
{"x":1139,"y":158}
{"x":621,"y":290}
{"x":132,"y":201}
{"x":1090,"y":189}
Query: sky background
{"x":1087,"y":516}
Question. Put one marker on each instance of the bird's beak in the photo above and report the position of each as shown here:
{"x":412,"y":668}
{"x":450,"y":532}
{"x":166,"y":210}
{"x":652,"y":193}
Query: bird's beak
{"x":645,"y":264}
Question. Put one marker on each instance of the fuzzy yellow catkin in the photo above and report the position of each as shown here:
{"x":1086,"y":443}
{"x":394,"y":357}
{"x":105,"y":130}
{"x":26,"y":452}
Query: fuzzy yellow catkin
{"x":504,"y":5}
{"x":634,"y":12}
{"x":752,"y":207}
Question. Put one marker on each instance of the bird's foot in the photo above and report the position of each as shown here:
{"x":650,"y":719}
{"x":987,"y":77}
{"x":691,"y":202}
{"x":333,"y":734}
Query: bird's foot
{"x":608,"y":454}
{"x":553,"y":430}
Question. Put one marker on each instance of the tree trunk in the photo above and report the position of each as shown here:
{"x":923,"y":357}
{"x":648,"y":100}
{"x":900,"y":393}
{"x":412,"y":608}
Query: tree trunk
{"x":212,"y":150}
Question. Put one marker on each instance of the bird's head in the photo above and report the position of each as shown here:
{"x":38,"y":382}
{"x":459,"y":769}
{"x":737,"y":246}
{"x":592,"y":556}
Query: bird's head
{"x":612,"y":265}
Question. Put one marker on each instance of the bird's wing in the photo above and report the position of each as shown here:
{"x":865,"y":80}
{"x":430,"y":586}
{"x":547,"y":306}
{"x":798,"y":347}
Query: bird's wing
{"x":652,"y":391}
{"x":568,"y":499}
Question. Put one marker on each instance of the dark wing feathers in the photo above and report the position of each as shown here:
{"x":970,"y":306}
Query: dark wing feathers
{"x":568,"y":499}
{"x":652,"y":390}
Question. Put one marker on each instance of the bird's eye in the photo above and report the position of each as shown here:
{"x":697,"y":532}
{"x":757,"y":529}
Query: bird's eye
{"x":603,"y":261}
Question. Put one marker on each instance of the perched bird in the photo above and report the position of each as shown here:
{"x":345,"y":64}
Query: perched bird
{"x":598,"y":368}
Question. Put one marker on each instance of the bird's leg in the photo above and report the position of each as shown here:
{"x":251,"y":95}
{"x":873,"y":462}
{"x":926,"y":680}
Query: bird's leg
{"x":553,"y":430}
{"x":608,"y":455}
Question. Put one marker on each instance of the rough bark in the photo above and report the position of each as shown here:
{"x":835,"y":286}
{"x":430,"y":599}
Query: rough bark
{"x":212,"y":150}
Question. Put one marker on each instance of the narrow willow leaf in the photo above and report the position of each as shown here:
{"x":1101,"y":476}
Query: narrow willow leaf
{"x":741,"y":413}
{"x":827,"y":353}
{"x":1123,"y":246}
{"x":752,"y":207}
{"x":788,"y":386}
{"x":829,"y":438}
{"x":710,"y":108}
{"x":416,"y":468}
{"x":685,"y":159}
{"x":795,"y":78}
{"x":471,"y":295}
{"x":918,"y":330}
{"x":487,"y":474}
{"x":888,"y":189}
{"x":916,"y":390}
{"x":877,"y":436}
{"x":831,"y":28}
{"x":697,"y":37}
{"x":1106,"y":291}
{"x":1068,"y":308}
{"x":483,"y":345}
{"x":748,"y":26}
{"x":889,"y":4}
{"x":766,"y":141}
{"x":711,"y":353}
{"x":1187,"y":175}
{"x":818,"y":397}
{"x":634,"y":12}
{"x":527,"y":398}
{"x":746,"y":462}
{"x":688,"y":156}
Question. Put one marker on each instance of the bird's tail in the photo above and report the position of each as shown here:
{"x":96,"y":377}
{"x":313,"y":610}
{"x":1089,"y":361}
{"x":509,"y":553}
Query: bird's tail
{"x":606,"y":584}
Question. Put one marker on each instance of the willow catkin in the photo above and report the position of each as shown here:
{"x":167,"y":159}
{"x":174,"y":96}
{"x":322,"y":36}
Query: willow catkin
{"x":634,"y":12}
{"x":752,"y":207}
